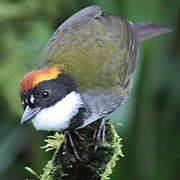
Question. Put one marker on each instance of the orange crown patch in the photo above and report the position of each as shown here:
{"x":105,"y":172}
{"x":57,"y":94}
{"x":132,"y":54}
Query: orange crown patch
{"x":33,"y":78}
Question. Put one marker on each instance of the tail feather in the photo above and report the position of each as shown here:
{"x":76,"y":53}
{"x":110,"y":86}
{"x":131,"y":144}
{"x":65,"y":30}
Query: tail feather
{"x":148,"y":30}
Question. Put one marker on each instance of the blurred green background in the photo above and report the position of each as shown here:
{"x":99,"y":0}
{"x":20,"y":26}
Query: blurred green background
{"x":150,"y":117}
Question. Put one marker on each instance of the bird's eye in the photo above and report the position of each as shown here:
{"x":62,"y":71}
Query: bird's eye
{"x":45,"y":94}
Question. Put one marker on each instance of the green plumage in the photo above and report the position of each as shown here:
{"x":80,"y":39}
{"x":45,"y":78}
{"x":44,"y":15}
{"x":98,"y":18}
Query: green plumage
{"x":98,"y":50}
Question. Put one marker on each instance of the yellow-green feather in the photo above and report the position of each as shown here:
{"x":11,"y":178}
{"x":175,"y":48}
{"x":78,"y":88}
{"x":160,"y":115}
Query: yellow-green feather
{"x":94,"y":52}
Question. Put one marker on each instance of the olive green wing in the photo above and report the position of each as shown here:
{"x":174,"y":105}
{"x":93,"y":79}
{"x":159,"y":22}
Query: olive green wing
{"x":96,"y":49}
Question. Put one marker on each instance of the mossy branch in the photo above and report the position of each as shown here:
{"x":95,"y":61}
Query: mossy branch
{"x":96,"y":166}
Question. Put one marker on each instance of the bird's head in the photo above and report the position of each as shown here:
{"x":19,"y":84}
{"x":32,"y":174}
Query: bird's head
{"x":49,"y":99}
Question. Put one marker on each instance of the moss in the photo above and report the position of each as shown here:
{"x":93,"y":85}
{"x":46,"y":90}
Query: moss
{"x":31,"y":171}
{"x":48,"y":169}
{"x":53,"y":142}
{"x":96,"y":166}
{"x":116,"y":145}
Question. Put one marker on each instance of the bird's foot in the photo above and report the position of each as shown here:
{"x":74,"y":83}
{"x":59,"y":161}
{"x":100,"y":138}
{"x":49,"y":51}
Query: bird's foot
{"x":68,"y":138}
{"x":99,"y":134}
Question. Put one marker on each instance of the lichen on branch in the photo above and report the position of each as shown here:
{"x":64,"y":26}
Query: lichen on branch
{"x":97,"y":166}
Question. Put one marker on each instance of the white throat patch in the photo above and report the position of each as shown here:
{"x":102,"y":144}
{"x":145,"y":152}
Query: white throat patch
{"x":58,"y":116}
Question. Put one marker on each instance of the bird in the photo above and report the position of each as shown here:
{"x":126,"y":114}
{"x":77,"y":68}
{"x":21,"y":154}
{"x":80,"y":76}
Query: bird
{"x":85,"y":70}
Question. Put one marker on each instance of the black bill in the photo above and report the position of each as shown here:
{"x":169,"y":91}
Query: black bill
{"x":29,"y":114}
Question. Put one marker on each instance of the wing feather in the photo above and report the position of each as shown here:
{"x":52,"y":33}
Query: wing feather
{"x":101,"y":46}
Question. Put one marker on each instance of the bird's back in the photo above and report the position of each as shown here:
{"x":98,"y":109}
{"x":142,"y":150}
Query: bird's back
{"x":99,"y":51}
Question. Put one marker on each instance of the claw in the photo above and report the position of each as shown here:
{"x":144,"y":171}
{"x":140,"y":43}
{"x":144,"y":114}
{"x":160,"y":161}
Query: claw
{"x":98,"y":133}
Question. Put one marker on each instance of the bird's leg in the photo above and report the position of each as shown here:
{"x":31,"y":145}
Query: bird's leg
{"x":103,"y":132}
{"x":65,"y":142}
{"x":95,"y":132}
{"x":73,"y":146}
{"x":99,"y":133}
{"x":78,"y":135}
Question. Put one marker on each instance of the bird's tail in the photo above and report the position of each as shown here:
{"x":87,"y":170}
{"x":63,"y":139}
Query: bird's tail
{"x":148,"y":30}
